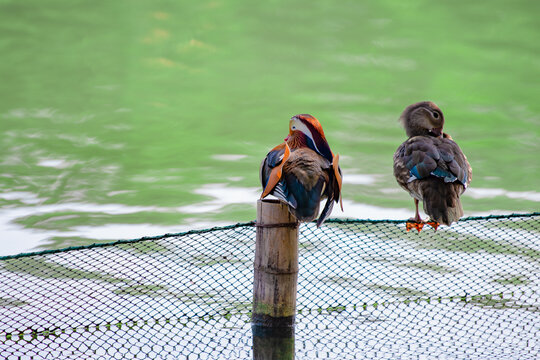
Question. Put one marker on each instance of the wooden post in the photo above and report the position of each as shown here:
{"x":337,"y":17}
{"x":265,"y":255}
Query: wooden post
{"x":274,"y":283}
{"x":276,"y":266}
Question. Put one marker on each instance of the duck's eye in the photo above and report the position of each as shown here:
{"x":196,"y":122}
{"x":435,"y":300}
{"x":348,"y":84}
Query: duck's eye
{"x":435,"y":115}
{"x":293,"y":127}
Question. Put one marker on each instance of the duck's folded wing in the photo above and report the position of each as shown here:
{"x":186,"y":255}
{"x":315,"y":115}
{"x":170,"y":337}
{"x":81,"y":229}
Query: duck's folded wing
{"x":455,"y":162}
{"x":426,"y":156}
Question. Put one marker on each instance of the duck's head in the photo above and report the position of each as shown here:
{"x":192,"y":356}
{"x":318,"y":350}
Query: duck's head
{"x":423,"y":118}
{"x":305,"y":130}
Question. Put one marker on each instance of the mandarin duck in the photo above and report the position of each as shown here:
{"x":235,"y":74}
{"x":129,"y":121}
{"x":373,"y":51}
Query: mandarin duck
{"x":302,"y":171}
{"x":431,"y":166}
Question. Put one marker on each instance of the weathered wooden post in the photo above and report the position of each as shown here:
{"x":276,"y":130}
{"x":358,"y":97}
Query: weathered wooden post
{"x":275,"y":279}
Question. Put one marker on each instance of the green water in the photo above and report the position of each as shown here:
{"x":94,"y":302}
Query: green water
{"x":121,"y":119}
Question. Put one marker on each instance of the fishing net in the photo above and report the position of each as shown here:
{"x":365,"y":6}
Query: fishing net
{"x":366,"y":290}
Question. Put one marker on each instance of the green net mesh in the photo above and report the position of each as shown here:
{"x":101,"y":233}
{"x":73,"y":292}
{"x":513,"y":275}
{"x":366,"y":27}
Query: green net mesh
{"x":366,"y":289}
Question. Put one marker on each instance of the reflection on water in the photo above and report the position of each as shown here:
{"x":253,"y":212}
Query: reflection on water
{"x":272,"y":343}
{"x":28,"y":226}
{"x":479,"y":193}
{"x":221,"y":196}
{"x":163,"y":111}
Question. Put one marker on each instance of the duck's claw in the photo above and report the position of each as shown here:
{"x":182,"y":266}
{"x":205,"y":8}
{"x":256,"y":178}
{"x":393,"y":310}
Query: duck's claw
{"x":412,"y":224}
{"x":433,"y":224}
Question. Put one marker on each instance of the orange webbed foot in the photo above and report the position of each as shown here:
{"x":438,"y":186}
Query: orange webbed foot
{"x":413,"y":224}
{"x":433,"y":224}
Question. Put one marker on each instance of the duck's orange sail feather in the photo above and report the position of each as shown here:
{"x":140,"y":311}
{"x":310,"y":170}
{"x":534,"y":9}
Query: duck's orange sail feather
{"x":275,"y":174}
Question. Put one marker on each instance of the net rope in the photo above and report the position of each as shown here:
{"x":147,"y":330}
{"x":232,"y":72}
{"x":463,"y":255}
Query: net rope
{"x":366,"y":289}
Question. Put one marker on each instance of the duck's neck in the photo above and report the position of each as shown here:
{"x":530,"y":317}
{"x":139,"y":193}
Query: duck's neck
{"x":297,"y":140}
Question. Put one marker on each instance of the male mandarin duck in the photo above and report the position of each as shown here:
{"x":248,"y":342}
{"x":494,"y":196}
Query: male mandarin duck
{"x":431,"y":166}
{"x":302,"y":171}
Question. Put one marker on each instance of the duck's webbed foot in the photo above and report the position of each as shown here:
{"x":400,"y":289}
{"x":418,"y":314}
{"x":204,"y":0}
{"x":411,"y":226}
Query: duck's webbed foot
{"x":433,"y":224}
{"x":413,"y":223}
{"x":416,"y":222}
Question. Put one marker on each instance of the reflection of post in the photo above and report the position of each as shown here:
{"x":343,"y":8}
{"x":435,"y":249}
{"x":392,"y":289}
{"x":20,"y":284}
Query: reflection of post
{"x":273,"y":343}
{"x":275,"y":278}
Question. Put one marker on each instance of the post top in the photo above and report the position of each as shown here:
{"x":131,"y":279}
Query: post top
{"x":273,"y":211}
{"x":270,"y":201}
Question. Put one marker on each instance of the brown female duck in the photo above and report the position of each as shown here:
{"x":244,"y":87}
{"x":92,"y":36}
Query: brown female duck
{"x":431,"y":166}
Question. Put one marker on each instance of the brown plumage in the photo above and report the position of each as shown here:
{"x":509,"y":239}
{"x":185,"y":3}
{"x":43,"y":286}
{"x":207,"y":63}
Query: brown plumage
{"x":430,"y":165}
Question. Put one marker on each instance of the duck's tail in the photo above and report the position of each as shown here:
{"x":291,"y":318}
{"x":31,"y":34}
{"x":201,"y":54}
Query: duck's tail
{"x":441,"y":201}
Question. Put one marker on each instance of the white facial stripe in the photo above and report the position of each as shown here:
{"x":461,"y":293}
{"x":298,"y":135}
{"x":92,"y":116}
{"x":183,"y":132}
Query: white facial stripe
{"x":300,"y":126}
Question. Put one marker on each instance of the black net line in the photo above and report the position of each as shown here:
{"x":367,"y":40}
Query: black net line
{"x":369,"y":289}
